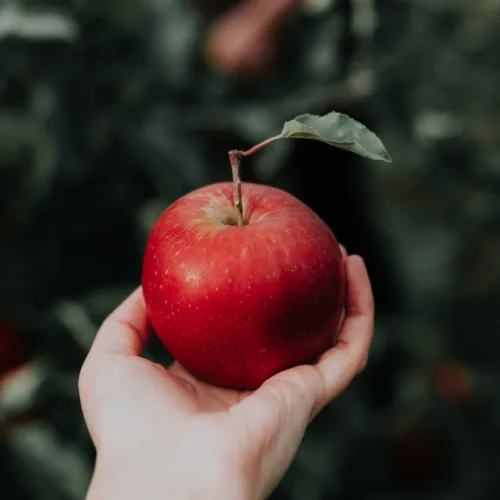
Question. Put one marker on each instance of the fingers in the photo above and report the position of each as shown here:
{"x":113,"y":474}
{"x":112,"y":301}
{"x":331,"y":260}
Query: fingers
{"x":126,"y":330}
{"x":299,"y":393}
{"x":343,"y":251}
{"x":342,"y":363}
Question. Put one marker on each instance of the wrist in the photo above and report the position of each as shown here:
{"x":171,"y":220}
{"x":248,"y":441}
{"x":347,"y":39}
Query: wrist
{"x":164,"y":478}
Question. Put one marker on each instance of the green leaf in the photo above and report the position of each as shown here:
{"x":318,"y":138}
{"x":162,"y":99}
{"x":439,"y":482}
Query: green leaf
{"x":337,"y":130}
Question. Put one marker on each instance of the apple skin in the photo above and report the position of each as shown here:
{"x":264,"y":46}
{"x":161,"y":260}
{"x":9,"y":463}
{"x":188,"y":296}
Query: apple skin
{"x":235,"y":305}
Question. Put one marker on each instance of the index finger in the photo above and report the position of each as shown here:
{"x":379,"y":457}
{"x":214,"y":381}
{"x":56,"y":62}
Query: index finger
{"x":126,"y":330}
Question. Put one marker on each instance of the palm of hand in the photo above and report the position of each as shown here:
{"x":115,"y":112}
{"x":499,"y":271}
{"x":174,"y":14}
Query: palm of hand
{"x":139,"y":388}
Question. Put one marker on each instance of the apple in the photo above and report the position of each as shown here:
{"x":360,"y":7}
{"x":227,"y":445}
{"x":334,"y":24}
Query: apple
{"x":243,"y":280}
{"x":235,"y":304}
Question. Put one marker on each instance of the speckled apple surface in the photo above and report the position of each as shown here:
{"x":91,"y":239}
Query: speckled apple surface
{"x":236,"y":304}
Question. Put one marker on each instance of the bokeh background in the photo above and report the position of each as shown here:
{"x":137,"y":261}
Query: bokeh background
{"x":110,"y":110}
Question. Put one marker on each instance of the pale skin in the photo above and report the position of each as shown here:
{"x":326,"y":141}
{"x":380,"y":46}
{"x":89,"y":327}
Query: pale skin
{"x":161,"y":434}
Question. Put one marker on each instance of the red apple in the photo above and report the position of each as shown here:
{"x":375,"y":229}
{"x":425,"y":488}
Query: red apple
{"x":235,"y":304}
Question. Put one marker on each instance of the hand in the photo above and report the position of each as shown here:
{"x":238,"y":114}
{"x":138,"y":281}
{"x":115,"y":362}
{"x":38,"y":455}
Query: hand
{"x":162,"y":433}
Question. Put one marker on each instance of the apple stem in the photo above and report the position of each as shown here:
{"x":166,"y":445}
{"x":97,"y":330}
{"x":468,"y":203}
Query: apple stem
{"x":256,"y":148}
{"x":235,"y":159}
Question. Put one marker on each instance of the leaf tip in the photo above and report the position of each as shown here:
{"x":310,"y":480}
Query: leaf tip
{"x":386,"y":157}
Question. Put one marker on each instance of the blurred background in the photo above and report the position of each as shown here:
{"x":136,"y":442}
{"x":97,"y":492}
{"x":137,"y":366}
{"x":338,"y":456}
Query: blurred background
{"x":110,"y":110}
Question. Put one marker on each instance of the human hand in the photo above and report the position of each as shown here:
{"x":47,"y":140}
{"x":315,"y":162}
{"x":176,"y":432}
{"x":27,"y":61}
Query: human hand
{"x":162,"y":431}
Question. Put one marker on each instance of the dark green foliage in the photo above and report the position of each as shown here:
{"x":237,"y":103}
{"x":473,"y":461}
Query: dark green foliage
{"x":108,"y":113}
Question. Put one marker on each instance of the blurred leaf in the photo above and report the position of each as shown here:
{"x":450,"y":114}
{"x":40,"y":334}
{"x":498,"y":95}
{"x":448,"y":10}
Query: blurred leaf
{"x":36,"y":25}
